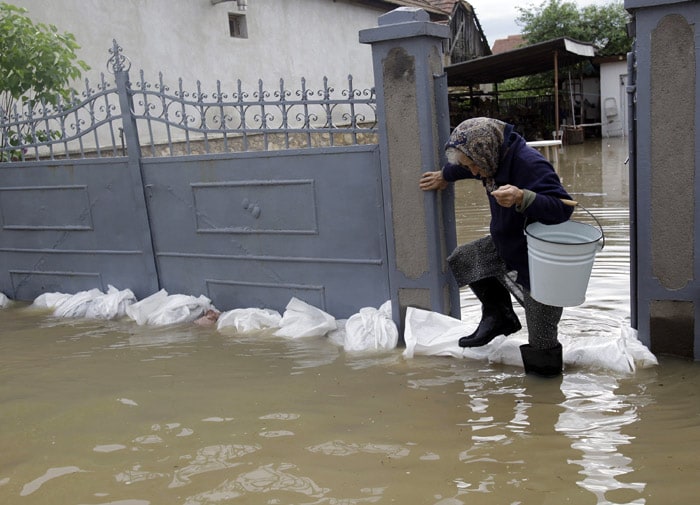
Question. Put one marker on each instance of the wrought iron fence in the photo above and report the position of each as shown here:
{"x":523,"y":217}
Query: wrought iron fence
{"x":86,"y":123}
{"x":92,"y":123}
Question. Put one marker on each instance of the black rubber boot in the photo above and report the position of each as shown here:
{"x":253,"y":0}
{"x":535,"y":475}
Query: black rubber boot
{"x":542,"y":362}
{"x":497,"y":315}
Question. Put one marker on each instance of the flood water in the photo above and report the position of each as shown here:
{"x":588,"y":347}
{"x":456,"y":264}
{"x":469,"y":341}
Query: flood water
{"x":113,"y":413}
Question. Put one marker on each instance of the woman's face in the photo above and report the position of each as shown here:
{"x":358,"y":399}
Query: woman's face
{"x":467,"y":162}
{"x":474,"y":168}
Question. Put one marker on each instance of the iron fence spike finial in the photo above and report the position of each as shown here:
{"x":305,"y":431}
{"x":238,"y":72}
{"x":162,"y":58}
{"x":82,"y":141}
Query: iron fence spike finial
{"x":117,"y":62}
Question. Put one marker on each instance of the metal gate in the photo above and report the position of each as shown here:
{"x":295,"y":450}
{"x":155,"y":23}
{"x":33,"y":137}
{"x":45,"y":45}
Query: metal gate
{"x":256,"y":229}
{"x":244,"y":198}
{"x":71,"y":226}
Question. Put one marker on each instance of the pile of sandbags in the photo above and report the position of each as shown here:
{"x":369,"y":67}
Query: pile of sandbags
{"x":431,"y":334}
{"x":371,"y":329}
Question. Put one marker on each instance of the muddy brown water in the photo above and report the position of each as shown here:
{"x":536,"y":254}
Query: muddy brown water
{"x":113,"y":413}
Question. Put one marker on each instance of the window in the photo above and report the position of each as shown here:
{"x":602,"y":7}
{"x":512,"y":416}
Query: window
{"x":237,"y":26}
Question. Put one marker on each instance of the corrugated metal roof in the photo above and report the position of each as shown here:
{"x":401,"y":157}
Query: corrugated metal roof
{"x":527,"y":60}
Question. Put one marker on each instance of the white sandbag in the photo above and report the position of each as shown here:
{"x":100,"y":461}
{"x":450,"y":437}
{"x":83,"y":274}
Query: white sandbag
{"x":303,"y":320}
{"x":432,"y":334}
{"x":160,"y":309}
{"x":371,"y":329}
{"x":505,"y":350}
{"x":597,"y":352}
{"x":49,"y":300}
{"x":111,"y":304}
{"x":251,"y":319}
{"x":76,"y":305}
{"x":180,"y":309}
{"x":641,"y":355}
{"x":428,"y":333}
{"x":622,"y":353}
{"x":337,"y":336}
{"x":4,"y":301}
{"x":141,"y":310}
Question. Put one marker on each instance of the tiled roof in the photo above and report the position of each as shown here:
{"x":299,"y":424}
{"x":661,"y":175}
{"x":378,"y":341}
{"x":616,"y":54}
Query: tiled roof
{"x":512,"y":42}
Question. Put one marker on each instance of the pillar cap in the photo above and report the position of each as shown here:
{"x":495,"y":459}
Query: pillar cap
{"x":403,"y":15}
{"x":403,"y":23}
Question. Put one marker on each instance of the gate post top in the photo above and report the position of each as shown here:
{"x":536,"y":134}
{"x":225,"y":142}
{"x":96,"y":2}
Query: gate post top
{"x":402,"y":23}
{"x":403,"y":15}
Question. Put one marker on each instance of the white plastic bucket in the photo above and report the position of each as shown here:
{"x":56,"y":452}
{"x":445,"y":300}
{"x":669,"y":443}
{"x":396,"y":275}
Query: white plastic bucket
{"x":561,"y":258}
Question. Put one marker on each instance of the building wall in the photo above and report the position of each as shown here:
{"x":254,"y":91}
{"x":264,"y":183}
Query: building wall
{"x":613,"y":81}
{"x":190,"y":38}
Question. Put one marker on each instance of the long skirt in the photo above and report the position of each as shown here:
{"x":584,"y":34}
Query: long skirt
{"x":478,"y":260}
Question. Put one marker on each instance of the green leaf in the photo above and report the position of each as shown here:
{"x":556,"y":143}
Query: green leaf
{"x":35,"y":58}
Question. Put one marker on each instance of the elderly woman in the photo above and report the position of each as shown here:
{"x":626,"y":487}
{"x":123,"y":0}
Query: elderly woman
{"x":521,"y":186}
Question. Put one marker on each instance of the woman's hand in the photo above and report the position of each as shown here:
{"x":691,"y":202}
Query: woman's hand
{"x":432,"y":180}
{"x":508,"y":195}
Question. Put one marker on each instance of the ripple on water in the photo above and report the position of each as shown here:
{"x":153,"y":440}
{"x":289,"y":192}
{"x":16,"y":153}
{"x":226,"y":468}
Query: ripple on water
{"x":276,"y":433}
{"x":209,"y":459}
{"x":124,"y":502}
{"x":262,"y":480}
{"x":281,"y":416}
{"x":341,"y":448}
{"x":109,"y":448}
{"x":51,"y":473}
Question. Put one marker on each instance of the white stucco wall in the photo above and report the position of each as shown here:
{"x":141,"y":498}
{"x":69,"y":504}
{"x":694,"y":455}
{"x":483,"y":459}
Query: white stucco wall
{"x":613,"y":81}
{"x":190,"y":39}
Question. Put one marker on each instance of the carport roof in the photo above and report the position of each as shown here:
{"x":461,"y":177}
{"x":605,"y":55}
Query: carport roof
{"x":527,"y":60}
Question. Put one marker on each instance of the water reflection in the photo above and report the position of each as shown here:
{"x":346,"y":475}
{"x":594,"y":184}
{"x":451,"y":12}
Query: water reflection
{"x":594,"y":417}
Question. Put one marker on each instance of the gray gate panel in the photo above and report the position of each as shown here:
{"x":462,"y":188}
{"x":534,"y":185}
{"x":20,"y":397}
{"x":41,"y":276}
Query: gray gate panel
{"x":252,"y":229}
{"x":339,"y":288}
{"x":28,"y":284}
{"x":237,"y":207}
{"x":70,"y":226}
{"x":323,"y":204}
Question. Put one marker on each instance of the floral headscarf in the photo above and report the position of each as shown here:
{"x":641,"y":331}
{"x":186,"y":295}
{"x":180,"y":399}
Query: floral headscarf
{"x":480,"y":139}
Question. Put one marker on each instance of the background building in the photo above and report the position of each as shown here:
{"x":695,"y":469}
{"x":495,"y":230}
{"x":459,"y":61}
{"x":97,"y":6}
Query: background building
{"x":225,"y":40}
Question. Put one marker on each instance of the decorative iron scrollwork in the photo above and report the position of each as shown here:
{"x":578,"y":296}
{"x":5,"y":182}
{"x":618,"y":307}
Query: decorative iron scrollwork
{"x":118,"y":62}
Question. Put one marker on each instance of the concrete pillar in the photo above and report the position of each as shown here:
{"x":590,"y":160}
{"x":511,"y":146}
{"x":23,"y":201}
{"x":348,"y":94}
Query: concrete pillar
{"x":665,"y":137}
{"x":413,"y":122}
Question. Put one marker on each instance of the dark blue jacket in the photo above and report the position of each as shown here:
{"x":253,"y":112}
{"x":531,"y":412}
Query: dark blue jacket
{"x":524,"y":167}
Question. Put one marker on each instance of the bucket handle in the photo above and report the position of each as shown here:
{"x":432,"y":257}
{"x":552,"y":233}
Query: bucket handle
{"x":574,"y":203}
